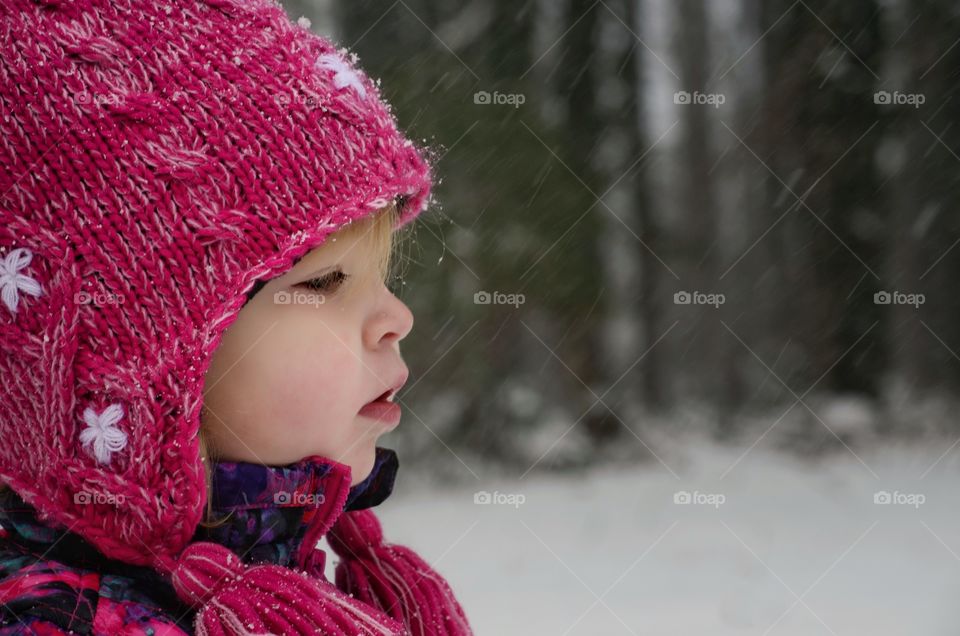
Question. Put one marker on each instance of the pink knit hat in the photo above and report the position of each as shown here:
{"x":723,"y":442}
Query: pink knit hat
{"x":157,"y":158}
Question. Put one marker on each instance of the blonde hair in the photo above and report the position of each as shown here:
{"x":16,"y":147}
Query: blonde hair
{"x":376,"y":231}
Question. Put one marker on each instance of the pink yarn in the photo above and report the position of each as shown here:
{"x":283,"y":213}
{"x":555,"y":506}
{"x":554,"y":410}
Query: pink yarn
{"x":158,"y":158}
{"x":393,"y":578}
{"x":240,"y":599}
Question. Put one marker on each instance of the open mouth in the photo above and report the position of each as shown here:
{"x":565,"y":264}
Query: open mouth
{"x":386,"y":396}
{"x":383,"y":408}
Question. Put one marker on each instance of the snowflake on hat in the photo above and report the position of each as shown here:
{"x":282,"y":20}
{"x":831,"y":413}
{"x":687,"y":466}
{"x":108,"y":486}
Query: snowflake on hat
{"x":344,"y":74}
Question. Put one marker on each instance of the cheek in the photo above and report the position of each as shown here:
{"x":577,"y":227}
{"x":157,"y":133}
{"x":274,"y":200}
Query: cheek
{"x":302,"y":387}
{"x":294,"y":393}
{"x":311,"y":382}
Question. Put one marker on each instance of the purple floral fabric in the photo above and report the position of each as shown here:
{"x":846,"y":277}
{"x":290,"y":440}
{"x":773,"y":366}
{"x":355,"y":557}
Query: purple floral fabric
{"x":53,"y":582}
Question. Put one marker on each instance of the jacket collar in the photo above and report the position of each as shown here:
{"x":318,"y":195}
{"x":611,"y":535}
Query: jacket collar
{"x":273,"y":514}
{"x":277,"y":514}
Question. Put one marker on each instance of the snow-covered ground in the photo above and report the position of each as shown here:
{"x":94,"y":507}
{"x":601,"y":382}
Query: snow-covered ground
{"x":797,"y":547}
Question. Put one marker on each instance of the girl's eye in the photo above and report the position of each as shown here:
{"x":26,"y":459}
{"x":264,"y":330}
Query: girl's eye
{"x":328,"y":282}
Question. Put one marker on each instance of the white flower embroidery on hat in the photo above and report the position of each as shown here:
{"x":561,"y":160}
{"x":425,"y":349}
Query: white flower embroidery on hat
{"x":12,"y":282}
{"x":344,"y":74}
{"x":103,"y":433}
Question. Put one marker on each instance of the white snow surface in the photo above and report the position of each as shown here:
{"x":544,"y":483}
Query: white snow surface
{"x":797,"y":547}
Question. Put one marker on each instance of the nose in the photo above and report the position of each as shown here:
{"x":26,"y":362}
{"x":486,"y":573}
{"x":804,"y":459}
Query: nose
{"x":391,"y":322}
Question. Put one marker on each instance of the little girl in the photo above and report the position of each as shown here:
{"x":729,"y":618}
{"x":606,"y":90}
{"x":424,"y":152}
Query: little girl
{"x":198,"y":202}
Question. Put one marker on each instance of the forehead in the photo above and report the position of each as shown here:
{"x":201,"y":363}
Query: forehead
{"x":351,"y":242}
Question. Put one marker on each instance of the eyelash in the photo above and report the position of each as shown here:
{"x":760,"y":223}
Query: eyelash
{"x":324,"y":283}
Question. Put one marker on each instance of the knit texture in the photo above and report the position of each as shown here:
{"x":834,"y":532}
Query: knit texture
{"x":157,"y":159}
{"x":393,"y":578}
{"x":271,"y":510}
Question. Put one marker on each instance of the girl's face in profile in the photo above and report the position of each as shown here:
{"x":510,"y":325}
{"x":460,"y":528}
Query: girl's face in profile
{"x":302,"y":359}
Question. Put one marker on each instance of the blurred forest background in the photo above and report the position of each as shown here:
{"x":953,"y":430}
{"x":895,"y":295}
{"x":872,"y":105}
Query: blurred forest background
{"x":790,"y":168}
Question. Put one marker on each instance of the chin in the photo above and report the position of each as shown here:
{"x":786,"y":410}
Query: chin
{"x":362,"y":465}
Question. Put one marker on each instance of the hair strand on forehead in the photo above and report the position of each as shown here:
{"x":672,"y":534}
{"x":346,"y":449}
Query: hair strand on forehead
{"x":378,"y":238}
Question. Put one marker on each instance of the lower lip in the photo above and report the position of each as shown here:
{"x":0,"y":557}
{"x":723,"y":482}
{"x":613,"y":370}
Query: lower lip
{"x":388,"y":412}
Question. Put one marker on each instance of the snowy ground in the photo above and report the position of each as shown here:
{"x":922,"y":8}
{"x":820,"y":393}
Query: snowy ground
{"x":796,"y":547}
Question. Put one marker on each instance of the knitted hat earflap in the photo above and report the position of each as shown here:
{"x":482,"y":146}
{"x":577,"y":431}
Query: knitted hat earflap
{"x":393,"y":578}
{"x":236,"y":598}
{"x":232,"y":597}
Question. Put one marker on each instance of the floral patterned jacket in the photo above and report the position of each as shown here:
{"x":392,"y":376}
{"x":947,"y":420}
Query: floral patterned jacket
{"x":53,"y":582}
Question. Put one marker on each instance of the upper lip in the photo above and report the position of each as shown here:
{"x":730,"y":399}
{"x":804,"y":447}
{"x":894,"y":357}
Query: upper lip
{"x":394,"y":387}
